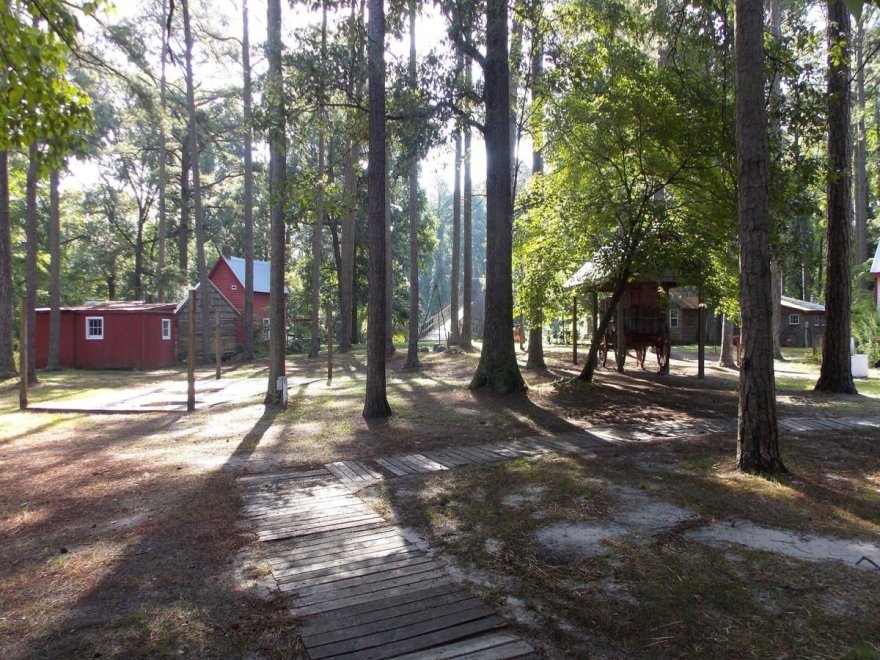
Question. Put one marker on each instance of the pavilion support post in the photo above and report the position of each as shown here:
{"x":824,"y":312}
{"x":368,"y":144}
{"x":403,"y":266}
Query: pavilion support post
{"x":329,"y":344}
{"x":620,"y":349}
{"x":595,"y":301}
{"x":191,"y":353}
{"x":701,"y":337}
{"x":23,"y":358}
{"x":218,"y":353}
{"x":574,"y":329}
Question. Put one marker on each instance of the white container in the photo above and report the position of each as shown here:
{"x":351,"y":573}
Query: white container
{"x":859,"y":366}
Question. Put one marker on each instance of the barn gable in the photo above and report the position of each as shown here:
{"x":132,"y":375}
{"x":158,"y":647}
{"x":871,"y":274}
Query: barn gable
{"x":229,"y":320}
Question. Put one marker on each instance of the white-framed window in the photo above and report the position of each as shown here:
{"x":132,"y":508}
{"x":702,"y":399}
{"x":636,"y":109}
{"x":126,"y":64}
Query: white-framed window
{"x":94,"y":327}
{"x":234,"y":287}
{"x":265,"y":329}
{"x":673,"y":318}
{"x":794,"y":319}
{"x":166,"y":328}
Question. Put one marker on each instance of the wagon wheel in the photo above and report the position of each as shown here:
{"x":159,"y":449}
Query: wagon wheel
{"x":662,"y":349}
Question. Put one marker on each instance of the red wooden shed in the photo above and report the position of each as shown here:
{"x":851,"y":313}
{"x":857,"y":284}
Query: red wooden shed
{"x":111,"y":335}
{"x":228,"y":276}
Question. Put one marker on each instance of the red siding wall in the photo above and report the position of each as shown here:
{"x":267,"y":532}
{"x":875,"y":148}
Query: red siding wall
{"x":224,"y":279}
{"x":132,"y":340}
{"x":67,"y":352}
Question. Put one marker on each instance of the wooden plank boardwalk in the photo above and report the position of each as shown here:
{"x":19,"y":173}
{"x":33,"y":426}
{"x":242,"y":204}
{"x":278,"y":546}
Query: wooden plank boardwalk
{"x":361,"y":589}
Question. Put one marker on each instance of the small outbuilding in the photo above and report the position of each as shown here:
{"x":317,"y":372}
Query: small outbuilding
{"x":220,"y":307}
{"x":801,"y":323}
{"x":110,"y":335}
{"x":228,"y":277}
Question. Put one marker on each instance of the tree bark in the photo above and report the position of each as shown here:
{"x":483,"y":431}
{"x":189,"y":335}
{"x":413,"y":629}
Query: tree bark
{"x":32,"y":247}
{"x":277,"y":195}
{"x":247,"y":121}
{"x":497,"y":368}
{"x":389,"y":283}
{"x":757,"y":434}
{"x":861,"y":251}
{"x":185,"y":211}
{"x":349,"y":225}
{"x":455,"y":279}
{"x":726,"y":358}
{"x":7,"y":296}
{"x":52,"y":359}
{"x":412,"y":350}
{"x":835,"y":374}
{"x":535,"y":358}
{"x":315,"y":345}
{"x":163,"y":157}
{"x":467,"y":226}
{"x":201,"y":266}
{"x":375,"y":399}
{"x":776,"y":128}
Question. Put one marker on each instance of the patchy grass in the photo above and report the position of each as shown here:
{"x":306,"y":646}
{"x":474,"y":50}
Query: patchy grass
{"x":651,"y":593}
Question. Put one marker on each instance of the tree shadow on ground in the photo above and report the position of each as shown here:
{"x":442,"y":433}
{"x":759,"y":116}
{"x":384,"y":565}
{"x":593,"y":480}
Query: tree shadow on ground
{"x":143,"y":561}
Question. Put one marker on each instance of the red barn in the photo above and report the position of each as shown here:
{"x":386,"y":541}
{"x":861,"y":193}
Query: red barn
{"x":111,"y":335}
{"x":228,"y":276}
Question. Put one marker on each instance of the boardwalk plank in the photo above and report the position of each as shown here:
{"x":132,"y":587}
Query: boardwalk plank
{"x":391,"y":618}
{"x":339,"y":578}
{"x":328,"y":606}
{"x":383,"y":575}
{"x":320,"y":595}
{"x":347,"y":565}
{"x":385,"y":608}
{"x":428,"y":640}
{"x":436,"y":615}
{"x":376,"y":641}
{"x":393,"y":468}
{"x":464,"y":649}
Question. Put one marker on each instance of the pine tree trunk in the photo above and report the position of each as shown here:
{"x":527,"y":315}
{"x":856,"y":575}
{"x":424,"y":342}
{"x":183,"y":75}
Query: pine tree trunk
{"x":455,"y":279}
{"x":835,"y":374}
{"x":185,"y":211}
{"x":860,"y":151}
{"x":536,"y":314}
{"x":757,"y":434}
{"x":52,"y":359}
{"x":349,"y":224}
{"x":726,"y":358}
{"x":776,"y":130}
{"x":274,"y":98}
{"x":498,"y":369}
{"x":776,"y":287}
{"x":412,"y":351}
{"x":7,"y":296}
{"x":467,"y":226}
{"x":389,"y":283}
{"x":163,"y":157}
{"x":315,"y":345}
{"x":375,"y":399}
{"x":247,"y":121}
{"x":199,"y":216}
{"x":31,"y":250}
